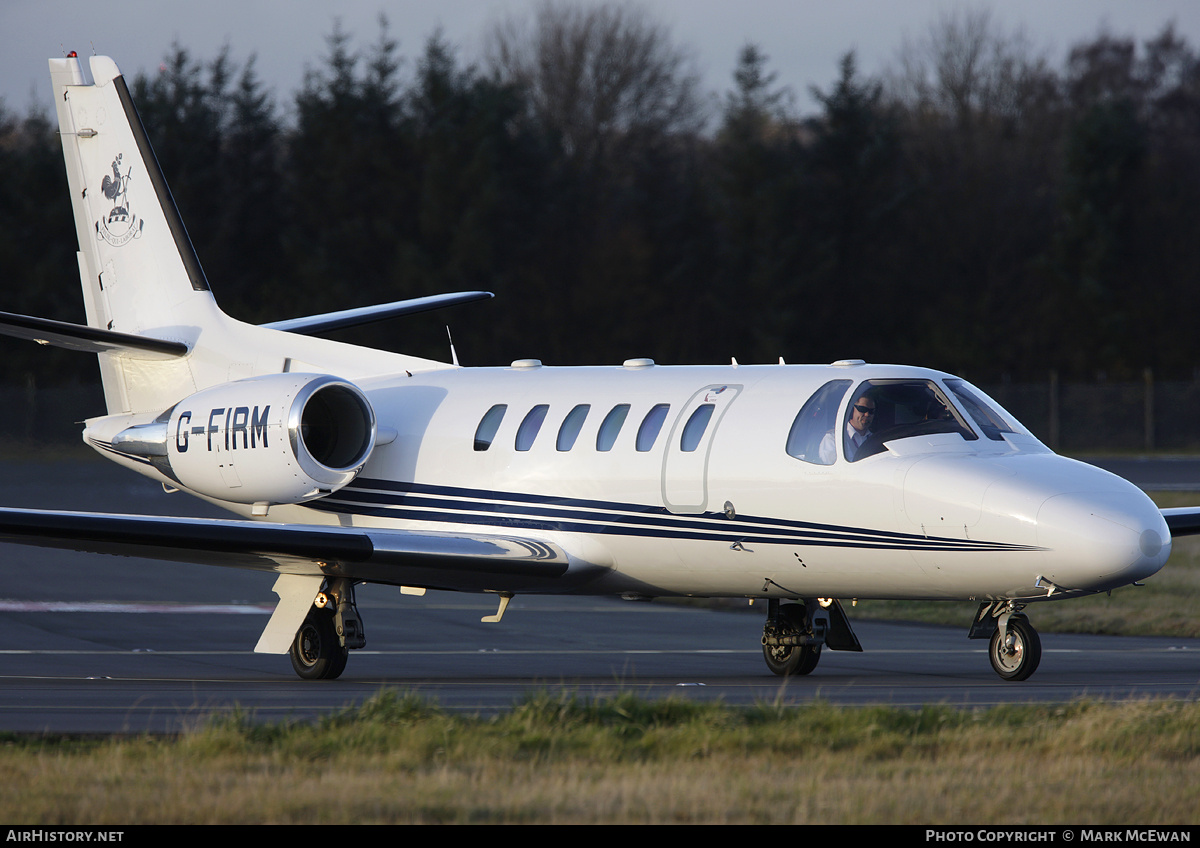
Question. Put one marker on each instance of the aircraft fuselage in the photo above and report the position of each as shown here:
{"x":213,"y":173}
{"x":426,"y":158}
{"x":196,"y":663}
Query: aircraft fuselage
{"x":933,"y":516}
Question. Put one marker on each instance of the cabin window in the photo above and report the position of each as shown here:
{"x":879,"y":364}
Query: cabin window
{"x":611,"y":426}
{"x":488,"y":425}
{"x":651,"y":425}
{"x":572,"y":424}
{"x":984,"y":414}
{"x":694,"y":429}
{"x":530,"y":426}
{"x":813,"y":427}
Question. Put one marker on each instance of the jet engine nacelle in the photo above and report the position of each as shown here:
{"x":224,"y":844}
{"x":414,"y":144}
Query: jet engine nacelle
{"x":279,"y":438}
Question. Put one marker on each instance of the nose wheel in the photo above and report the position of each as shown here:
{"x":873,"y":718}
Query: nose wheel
{"x":1015,"y":654}
{"x":1015,"y":648}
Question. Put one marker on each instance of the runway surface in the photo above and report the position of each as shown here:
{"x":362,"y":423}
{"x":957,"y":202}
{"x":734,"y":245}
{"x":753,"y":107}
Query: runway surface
{"x":114,"y":644}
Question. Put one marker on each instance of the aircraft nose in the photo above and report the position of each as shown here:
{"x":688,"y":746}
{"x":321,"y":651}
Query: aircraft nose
{"x":1102,"y":540}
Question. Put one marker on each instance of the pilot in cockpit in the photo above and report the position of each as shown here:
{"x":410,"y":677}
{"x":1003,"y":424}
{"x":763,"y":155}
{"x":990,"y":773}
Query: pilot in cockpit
{"x":858,"y":430}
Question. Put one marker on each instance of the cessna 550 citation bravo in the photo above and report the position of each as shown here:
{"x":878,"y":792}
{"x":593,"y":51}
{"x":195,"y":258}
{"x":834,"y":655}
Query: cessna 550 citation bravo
{"x":350,"y":465}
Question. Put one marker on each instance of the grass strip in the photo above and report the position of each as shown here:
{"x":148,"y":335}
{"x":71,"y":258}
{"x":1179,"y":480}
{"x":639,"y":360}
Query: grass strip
{"x":559,"y":758}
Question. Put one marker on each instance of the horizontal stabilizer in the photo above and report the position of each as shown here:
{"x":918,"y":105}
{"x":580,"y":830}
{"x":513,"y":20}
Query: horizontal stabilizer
{"x":314,"y":324}
{"x":88,"y":339}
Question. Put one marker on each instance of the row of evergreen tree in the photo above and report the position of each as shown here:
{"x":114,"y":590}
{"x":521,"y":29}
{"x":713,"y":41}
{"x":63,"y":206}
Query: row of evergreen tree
{"x":976,"y":209}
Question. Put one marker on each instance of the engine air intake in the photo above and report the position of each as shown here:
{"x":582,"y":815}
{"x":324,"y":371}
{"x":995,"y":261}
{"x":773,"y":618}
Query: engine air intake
{"x":332,"y":426}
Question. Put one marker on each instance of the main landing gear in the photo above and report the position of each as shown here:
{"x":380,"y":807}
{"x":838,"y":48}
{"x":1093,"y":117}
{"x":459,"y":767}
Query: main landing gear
{"x":1015,"y":648}
{"x":795,"y":633}
{"x":330,"y":630}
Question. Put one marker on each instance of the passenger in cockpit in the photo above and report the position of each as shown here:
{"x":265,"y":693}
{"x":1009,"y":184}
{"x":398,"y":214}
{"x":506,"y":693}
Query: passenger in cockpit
{"x":935,"y":410}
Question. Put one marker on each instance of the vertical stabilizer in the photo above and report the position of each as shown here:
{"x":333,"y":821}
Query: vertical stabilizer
{"x":141,"y":277}
{"x":138,"y":269}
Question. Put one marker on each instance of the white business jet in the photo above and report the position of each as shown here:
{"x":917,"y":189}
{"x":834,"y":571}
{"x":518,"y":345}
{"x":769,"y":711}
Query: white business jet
{"x":791,"y":485}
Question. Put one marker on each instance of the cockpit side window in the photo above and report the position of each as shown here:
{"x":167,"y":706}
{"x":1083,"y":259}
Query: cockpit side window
{"x":898,"y":409}
{"x":988,"y":420}
{"x":807,"y":439}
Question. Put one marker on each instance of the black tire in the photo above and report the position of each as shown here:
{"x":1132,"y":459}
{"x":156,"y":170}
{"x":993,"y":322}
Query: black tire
{"x":785,"y":660}
{"x":793,"y":659}
{"x":1021,"y":660}
{"x":316,"y":652}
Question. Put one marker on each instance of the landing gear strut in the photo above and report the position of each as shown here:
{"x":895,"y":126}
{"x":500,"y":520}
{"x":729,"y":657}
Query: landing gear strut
{"x":1014,"y":648}
{"x":331,"y":628}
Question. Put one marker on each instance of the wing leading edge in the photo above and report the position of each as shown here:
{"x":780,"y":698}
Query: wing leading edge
{"x":1183,"y":521}
{"x":385,"y":556}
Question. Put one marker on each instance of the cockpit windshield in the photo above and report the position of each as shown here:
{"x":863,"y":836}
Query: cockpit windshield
{"x":989,"y":420}
{"x":881,"y":411}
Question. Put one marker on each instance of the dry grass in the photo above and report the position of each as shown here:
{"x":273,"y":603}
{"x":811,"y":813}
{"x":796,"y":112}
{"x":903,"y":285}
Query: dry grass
{"x":561,"y":760}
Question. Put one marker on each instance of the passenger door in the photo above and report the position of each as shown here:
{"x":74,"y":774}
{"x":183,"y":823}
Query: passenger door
{"x":685,"y":462}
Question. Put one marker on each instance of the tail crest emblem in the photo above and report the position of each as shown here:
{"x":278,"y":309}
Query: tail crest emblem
{"x":119,"y":226}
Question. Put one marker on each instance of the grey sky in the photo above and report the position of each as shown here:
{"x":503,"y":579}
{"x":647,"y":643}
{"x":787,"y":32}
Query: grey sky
{"x":803,"y":39}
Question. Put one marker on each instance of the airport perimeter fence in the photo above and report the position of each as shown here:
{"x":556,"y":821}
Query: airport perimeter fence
{"x":1074,"y":418}
{"x":1146,"y":416}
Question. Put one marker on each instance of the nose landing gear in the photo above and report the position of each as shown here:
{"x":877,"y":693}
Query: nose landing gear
{"x":1015,"y":648}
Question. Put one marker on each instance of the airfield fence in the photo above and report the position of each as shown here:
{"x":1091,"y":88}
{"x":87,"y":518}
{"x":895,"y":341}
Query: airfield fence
{"x":1144,"y":416}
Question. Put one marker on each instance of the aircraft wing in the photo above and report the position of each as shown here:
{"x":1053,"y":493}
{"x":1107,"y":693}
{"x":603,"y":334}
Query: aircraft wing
{"x":1183,"y":521}
{"x":436,"y":560}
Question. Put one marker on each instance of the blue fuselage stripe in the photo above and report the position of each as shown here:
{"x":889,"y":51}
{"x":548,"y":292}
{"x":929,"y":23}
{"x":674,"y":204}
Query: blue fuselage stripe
{"x":446,"y":504}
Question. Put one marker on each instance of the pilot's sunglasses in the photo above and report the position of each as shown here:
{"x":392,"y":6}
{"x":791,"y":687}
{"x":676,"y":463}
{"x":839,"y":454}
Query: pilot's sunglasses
{"x":865,"y":410}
